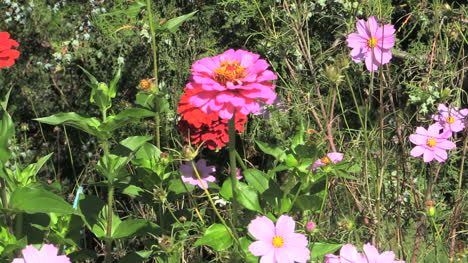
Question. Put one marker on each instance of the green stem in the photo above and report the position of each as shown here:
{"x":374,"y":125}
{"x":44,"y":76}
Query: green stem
{"x":325,"y":196}
{"x":157,"y":119}
{"x":19,"y":225}
{"x":232,"y":164}
{"x":241,"y":162}
{"x":4,"y":197}
{"x":232,"y":232}
{"x":110,"y":200}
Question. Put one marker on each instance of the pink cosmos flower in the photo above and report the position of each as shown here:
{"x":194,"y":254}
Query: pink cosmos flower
{"x":332,"y":157}
{"x":232,"y":81}
{"x":431,"y":143}
{"x":372,"y":43}
{"x":451,"y":118}
{"x":278,"y":244}
{"x":189,"y":176}
{"x":349,"y":254}
{"x":48,"y":253}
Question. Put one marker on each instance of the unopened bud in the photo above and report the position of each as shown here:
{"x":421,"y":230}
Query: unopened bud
{"x":189,"y":153}
{"x":430,"y":209}
{"x":310,"y":227}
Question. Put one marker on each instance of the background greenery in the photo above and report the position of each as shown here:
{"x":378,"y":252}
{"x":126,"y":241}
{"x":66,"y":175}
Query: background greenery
{"x":305,"y":43}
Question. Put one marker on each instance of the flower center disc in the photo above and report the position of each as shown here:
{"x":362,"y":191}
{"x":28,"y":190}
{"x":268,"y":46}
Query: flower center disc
{"x":326,"y":160}
{"x":431,"y":142}
{"x":230,"y":71}
{"x":277,"y":241}
{"x":450,"y":120}
{"x":372,"y":42}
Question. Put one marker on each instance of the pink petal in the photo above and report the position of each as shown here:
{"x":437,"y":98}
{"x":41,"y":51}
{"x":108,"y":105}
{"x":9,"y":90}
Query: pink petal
{"x":421,"y":130}
{"x":417,"y":151}
{"x":18,"y":260}
{"x":373,"y":25}
{"x":262,"y":228}
{"x":330,"y":258}
{"x":440,"y":155}
{"x":356,"y":41}
{"x":371,"y":253}
{"x":358,"y":55}
{"x":261,"y":248}
{"x":433,"y":130}
{"x":371,"y":63}
{"x":30,"y":253}
{"x":284,"y":255}
{"x":297,"y":253}
{"x":335,"y":157}
{"x":269,"y":258}
{"x":446,"y":145}
{"x":348,"y":253}
{"x":387,"y":256}
{"x":418,"y":139}
{"x":363,"y":29}
{"x":285,"y":226}
{"x":382,"y":56}
{"x":428,"y":156}
{"x":49,"y":250}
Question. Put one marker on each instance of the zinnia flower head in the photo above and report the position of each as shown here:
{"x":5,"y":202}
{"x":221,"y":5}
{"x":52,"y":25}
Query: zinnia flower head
{"x":189,"y":176}
{"x":7,"y":55}
{"x":278,"y":243}
{"x":431,"y":144}
{"x":231,"y":82}
{"x":349,"y":254}
{"x":372,"y":43}
{"x":48,"y":253}
{"x":205,"y":128}
{"x":332,"y":157}
{"x":450,"y":118}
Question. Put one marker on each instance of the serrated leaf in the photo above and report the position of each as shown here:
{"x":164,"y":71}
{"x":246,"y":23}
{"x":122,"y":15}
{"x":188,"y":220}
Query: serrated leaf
{"x":217,"y":237}
{"x":36,"y":200}
{"x":72,"y":119}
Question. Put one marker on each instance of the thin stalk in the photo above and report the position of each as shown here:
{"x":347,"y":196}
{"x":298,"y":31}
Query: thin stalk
{"x":157,"y":118}
{"x":110,"y":201}
{"x":8,"y":219}
{"x":324,"y":199}
{"x":241,"y":162}
{"x":232,"y":232}
{"x":232,"y":164}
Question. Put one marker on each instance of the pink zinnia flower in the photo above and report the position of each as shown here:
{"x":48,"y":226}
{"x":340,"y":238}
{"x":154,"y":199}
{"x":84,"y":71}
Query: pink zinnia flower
{"x":349,"y":254}
{"x":332,"y":157}
{"x":431,"y":143}
{"x":278,"y":244}
{"x":372,"y":43}
{"x":451,"y":118}
{"x":232,"y":81}
{"x":189,"y":176}
{"x":48,"y":253}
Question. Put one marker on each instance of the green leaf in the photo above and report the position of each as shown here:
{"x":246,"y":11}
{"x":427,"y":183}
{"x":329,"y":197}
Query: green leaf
{"x":273,"y":150}
{"x":146,"y":100}
{"x":179,"y":187}
{"x":94,"y":214}
{"x":113,"y":83}
{"x":226,"y":189}
{"x":135,"y":257}
{"x":135,"y":142}
{"x":245,"y":243}
{"x":37,"y":200}
{"x":217,"y":237}
{"x":298,"y":139}
{"x":129,"y":228}
{"x":257,"y":179}
{"x":4,"y":102}
{"x":131,"y":11}
{"x":7,"y":130}
{"x":24,"y":177}
{"x":124,"y":117}
{"x":132,"y":191}
{"x":94,"y":82}
{"x":319,"y":250}
{"x":310,"y":203}
{"x":248,"y":197}
{"x":173,"y":24}
{"x":72,"y":119}
{"x":100,"y":96}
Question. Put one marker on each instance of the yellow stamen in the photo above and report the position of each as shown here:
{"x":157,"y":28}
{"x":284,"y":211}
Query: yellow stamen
{"x":277,"y":241}
{"x":450,"y":120}
{"x":326,"y":160}
{"x":372,"y":42}
{"x":229,"y":71}
{"x":431,"y":142}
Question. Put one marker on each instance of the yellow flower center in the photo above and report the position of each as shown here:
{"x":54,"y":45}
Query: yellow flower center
{"x":145,"y":84}
{"x":277,"y":241}
{"x":372,"y":42}
{"x":450,"y":120}
{"x":326,"y":160}
{"x":431,"y":142}
{"x":229,"y":71}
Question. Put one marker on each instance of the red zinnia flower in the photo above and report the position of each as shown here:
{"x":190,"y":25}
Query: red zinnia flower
{"x":208,"y":129}
{"x":7,"y":55}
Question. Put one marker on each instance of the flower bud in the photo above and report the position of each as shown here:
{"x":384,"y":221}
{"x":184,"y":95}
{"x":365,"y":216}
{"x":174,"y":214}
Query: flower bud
{"x":310,"y":227}
{"x":189,"y":153}
{"x":430,"y":209}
